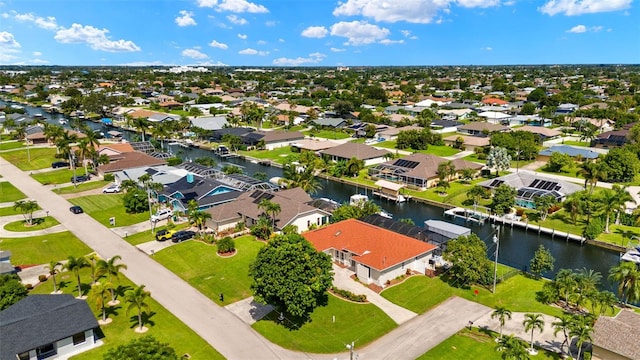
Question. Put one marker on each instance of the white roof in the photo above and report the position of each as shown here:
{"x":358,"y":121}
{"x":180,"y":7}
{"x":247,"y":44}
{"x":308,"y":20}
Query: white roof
{"x":494,"y":115}
{"x":389,"y":185}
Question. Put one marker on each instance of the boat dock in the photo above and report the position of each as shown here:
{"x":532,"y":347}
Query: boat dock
{"x":467,"y":215}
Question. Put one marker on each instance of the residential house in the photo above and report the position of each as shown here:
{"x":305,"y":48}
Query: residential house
{"x":206,"y":192}
{"x":494,"y":117}
{"x":47,"y":326}
{"x":113,"y":149}
{"x":218,"y":135}
{"x":494,"y":101}
{"x":35,"y":134}
{"x":542,"y":132}
{"x":210,"y":122}
{"x":160,"y":117}
{"x":272,"y":139}
{"x":348,"y":150}
{"x":469,"y":142}
{"x":616,"y":337}
{"x":391,"y":133}
{"x":376,"y":255}
{"x":418,"y":170}
{"x":314,"y":144}
{"x":295,"y":209}
{"x":445,"y":126}
{"x":482,"y":129}
{"x":335,"y":123}
{"x":5,"y":263}
{"x":615,"y":138}
{"x":565,"y":109}
{"x":573,"y":151}
{"x":128,"y":160}
{"x":459,"y":114}
{"x":518,"y":120}
{"x":161,"y":174}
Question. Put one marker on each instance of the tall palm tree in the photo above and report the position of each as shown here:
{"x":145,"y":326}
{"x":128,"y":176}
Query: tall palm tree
{"x":200,"y":218}
{"x":96,"y":271}
{"x":512,"y":348}
{"x":582,"y":332}
{"x":567,"y":283}
{"x":607,"y":301}
{"x":503,"y":314}
{"x":99,"y":293}
{"x":52,"y":267}
{"x":141,"y":124}
{"x":271,"y":208}
{"x":609,"y":204}
{"x":75,"y":265}
{"x":112,"y":269}
{"x":621,"y":197}
{"x":564,"y":324}
{"x":592,"y":171}
{"x":26,"y":207}
{"x":627,"y":276}
{"x":136,"y":299}
{"x":531,"y":323}
{"x":587,"y":282}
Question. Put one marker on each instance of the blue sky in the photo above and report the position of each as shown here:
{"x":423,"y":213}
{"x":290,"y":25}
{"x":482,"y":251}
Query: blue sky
{"x":318,"y":32}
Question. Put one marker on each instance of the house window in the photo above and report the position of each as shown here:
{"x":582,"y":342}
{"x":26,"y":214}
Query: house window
{"x":79,"y":338}
{"x":46,"y":351}
{"x":24,"y":356}
{"x":308,"y":223}
{"x":318,"y":221}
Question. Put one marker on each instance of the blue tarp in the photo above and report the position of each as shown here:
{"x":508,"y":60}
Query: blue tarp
{"x":106,"y":121}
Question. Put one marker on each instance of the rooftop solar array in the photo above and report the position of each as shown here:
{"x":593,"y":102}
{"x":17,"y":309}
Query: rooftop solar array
{"x":142,"y":146}
{"x":258,"y":196}
{"x":406,"y":163}
{"x":496,"y":183}
{"x":545,"y":185}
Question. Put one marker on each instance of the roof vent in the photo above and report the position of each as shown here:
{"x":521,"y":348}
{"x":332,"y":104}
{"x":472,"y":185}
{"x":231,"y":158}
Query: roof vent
{"x":337,"y":233}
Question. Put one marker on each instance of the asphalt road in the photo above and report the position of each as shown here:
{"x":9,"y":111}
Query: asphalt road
{"x":223,"y":330}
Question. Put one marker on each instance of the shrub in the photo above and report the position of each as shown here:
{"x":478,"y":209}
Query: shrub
{"x":174,"y":161}
{"x":593,"y":229}
{"x":554,"y":208}
{"x":519,"y":211}
{"x":29,"y":286}
{"x":226,"y":245}
{"x":109,"y":177}
{"x":346,"y":294}
{"x":240,"y":226}
{"x":42,"y":278}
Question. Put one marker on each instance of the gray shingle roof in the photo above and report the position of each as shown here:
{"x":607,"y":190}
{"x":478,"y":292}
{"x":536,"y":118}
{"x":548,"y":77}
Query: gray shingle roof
{"x":359,"y":151}
{"x":620,"y":335}
{"x":42,"y":319}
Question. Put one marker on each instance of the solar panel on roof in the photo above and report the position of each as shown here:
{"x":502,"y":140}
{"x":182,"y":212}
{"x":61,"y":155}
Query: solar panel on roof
{"x":406,"y":163}
{"x":496,"y":183}
{"x":534,"y":183}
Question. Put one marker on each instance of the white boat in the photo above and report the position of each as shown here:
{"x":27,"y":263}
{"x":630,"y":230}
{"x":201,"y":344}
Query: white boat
{"x":632,"y":255}
{"x":62,"y":121}
{"x":358,"y":199}
{"x":385,"y":214}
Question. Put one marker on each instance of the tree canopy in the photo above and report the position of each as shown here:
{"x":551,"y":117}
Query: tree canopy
{"x":11,"y":290}
{"x":542,"y":261}
{"x":470,"y":265}
{"x":144,"y":348}
{"x":291,"y":275}
{"x":504,"y":198}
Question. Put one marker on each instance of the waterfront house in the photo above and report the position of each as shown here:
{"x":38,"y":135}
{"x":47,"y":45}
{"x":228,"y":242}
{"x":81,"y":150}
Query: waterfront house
{"x":206,"y":192}
{"x":128,"y":160}
{"x":47,"y":326}
{"x":210,"y":122}
{"x":348,"y":150}
{"x":295,"y":209}
{"x":272,"y":139}
{"x":374,"y":254}
{"x":616,"y":337}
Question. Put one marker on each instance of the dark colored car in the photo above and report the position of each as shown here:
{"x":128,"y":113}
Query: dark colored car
{"x":59,"y":164}
{"x":164,"y":234}
{"x":79,"y":178}
{"x":76,"y":209}
{"x":182,"y":235}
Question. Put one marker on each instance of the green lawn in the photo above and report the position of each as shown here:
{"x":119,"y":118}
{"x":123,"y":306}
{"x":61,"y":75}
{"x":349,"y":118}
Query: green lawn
{"x":44,"y":248}
{"x":362,"y":323}
{"x":327,"y":134}
{"x":82,"y":187}
{"x":576,"y":143}
{"x":620,"y":235}
{"x":146,"y":236}
{"x":40,"y":158}
{"x":62,"y":176}
{"x":9,"y":193}
{"x":11,"y":145}
{"x":102,"y":207}
{"x":455,"y":194}
{"x":421,"y":293}
{"x":9,"y":210}
{"x":162,"y":324}
{"x":278,"y":155}
{"x":477,"y":344}
{"x":199,"y":265}
{"x":474,"y":158}
{"x":38,"y":224}
{"x":438,"y":150}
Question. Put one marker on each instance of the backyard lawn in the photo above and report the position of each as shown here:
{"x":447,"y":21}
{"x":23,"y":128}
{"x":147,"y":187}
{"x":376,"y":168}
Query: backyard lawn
{"x":102,"y":207}
{"x":474,"y":344}
{"x":362,"y":323}
{"x":40,"y":158}
{"x":38,"y":224}
{"x":82,"y":187}
{"x":44,"y":248}
{"x":9,"y":193}
{"x":62,"y":176}
{"x":162,"y":324}
{"x":327,"y":134}
{"x":438,"y":150}
{"x":199,"y":264}
{"x":278,"y":155}
{"x":10,"y":145}
{"x":420,"y":293}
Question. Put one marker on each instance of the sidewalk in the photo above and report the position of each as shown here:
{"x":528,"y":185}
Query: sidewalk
{"x":342,"y":280}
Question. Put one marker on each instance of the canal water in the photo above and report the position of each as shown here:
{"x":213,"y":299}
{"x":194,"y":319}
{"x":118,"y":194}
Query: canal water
{"x":517,"y":246}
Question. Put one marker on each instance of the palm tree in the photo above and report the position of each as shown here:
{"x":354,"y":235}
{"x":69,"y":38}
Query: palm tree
{"x":582,"y":331}
{"x":112,"y":270}
{"x":503,"y":314}
{"x":141,"y":124}
{"x":26,"y":207}
{"x":587,"y":282}
{"x":622,"y":196}
{"x":200,"y":218}
{"x":52,"y":267}
{"x":627,"y":276}
{"x":592,"y":171}
{"x":99,"y":294}
{"x":531,"y":323}
{"x":95,"y":270}
{"x":607,"y":300}
{"x":136,"y":299}
{"x":609,"y":203}
{"x":567,"y":282}
{"x":271,"y":208}
{"x":572,"y":205}
{"x":74,"y":265}
{"x":354,"y":165}
{"x":512,"y":348}
{"x":564,"y":324}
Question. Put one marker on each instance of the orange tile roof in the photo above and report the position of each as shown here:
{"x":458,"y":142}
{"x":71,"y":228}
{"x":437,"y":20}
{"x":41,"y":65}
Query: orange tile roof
{"x":494,"y":101}
{"x":375,"y":247}
{"x":119,"y":147}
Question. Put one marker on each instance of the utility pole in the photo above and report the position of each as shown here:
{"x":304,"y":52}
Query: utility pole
{"x":350,"y":347}
{"x":496,"y":240}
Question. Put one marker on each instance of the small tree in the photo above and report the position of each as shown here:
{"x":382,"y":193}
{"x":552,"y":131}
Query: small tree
{"x":542,"y":261}
{"x":144,"y":348}
{"x":75,"y":265}
{"x":498,"y":159}
{"x":112,"y":269}
{"x":564,"y":324}
{"x":512,"y":348}
{"x":543,"y":204}
{"x":226,"y":245}
{"x":531,"y":323}
{"x":468,"y":256}
{"x":11,"y":290}
{"x":504,"y":198}
{"x":558,"y":161}
{"x":503,"y":314}
{"x":581,"y":330}
{"x":52,"y":267}
{"x":136,"y":299}
{"x":26,"y":207}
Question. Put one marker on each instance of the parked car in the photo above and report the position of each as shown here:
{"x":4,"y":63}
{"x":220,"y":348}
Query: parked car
{"x":182,"y":235}
{"x":164,"y":234}
{"x":59,"y":164}
{"x":76,"y":209}
{"x":113,"y":188}
{"x":162,"y":214}
{"x":79,"y":178}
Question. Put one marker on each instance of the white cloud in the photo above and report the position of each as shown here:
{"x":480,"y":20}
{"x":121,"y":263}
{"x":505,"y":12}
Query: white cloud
{"x":311,"y":59}
{"x":317,"y":32}
{"x":271,"y":23}
{"x":186,"y":19}
{"x":359,"y":32}
{"x":48,"y":23}
{"x":39,"y":61}
{"x":488,"y":48}
{"x":333,"y":49}
{"x":597,"y":28}
{"x":262,"y":42}
{"x":391,"y":42}
{"x":4,"y":15}
{"x":96,"y":39}
{"x":281,"y":40}
{"x":579,"y":7}
{"x":218,"y":45}
{"x":578,"y":29}
{"x":236,"y":6}
{"x":405,"y":33}
{"x":412,"y":11}
{"x":8,"y":41}
{"x":242,"y":36}
{"x":194,"y":54}
{"x":234,"y":19}
{"x":250,"y":51}
{"x":37,"y":53}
